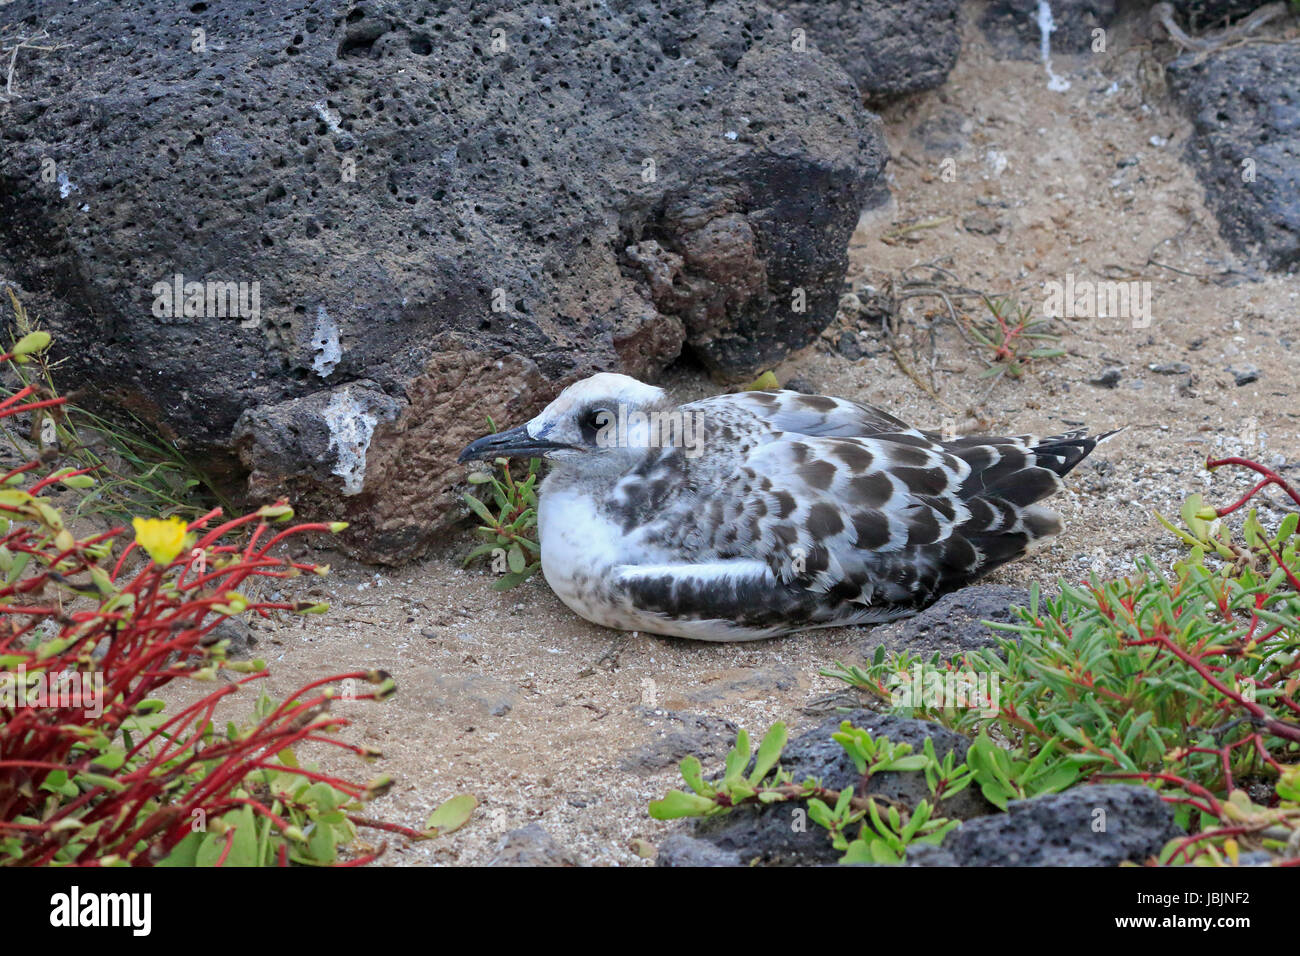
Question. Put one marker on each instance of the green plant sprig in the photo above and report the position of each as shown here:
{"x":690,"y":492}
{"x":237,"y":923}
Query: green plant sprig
{"x":511,"y":533}
{"x":1187,"y":682}
{"x":1013,"y":336}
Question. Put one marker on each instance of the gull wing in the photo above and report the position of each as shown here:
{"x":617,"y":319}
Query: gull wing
{"x":813,"y":415}
{"x":891,"y":519}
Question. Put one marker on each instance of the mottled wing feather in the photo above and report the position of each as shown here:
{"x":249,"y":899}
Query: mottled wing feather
{"x":813,"y":415}
{"x":839,"y":512}
{"x":859,"y":518}
{"x":896,"y":518}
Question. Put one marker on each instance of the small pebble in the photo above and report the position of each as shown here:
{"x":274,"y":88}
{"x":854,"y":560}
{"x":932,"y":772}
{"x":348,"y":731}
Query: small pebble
{"x":1109,"y":378}
{"x":848,"y":345}
{"x":1245,"y":375}
{"x":800,"y":385}
{"x":981,"y":224}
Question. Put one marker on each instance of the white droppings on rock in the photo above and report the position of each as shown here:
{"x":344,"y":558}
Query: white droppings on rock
{"x":325,"y":342}
{"x":350,"y":426}
{"x":328,"y":117}
{"x":1057,"y":84}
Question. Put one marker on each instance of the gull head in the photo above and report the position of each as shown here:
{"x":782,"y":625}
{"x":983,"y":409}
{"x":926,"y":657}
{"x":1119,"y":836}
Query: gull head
{"x":605,"y":423}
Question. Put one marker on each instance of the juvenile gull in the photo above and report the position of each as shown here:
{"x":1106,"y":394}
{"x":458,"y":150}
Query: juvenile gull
{"x":754,"y":514}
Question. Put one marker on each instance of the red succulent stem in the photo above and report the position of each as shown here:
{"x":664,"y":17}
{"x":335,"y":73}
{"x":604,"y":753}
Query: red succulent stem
{"x":31,"y":406}
{"x":17,"y":396}
{"x":1276,"y":727}
{"x":1270,"y":478}
{"x":225,"y":852}
{"x":388,"y":827}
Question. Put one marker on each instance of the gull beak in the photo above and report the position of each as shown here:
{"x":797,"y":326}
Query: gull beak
{"x":514,"y":443}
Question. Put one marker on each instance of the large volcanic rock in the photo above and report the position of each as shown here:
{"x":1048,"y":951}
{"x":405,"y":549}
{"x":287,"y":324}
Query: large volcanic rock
{"x":1013,"y":26}
{"x":889,"y":47}
{"x":1244,"y":103}
{"x":437,"y":212}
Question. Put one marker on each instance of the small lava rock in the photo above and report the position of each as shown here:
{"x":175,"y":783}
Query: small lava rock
{"x":1245,"y":375}
{"x":237,"y":632}
{"x":680,"y":849}
{"x":693,"y":734}
{"x":1087,"y":826}
{"x":800,"y":385}
{"x":952,"y":625}
{"x":532,"y":846}
{"x":848,"y":345}
{"x":1109,"y":378}
{"x":981,"y":224}
{"x":944,"y":133}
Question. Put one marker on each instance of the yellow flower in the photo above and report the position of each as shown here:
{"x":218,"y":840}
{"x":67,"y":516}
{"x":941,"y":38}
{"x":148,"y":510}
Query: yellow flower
{"x":163,"y":538}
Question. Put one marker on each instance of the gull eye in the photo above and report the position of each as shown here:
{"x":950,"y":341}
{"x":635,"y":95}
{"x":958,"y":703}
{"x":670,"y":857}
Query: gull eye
{"x":592,"y":421}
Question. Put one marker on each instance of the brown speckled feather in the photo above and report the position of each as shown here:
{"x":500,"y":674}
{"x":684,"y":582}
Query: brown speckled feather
{"x":858,"y":516}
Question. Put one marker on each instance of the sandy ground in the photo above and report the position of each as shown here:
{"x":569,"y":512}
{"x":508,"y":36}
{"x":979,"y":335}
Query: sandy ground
{"x":548,"y":719}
